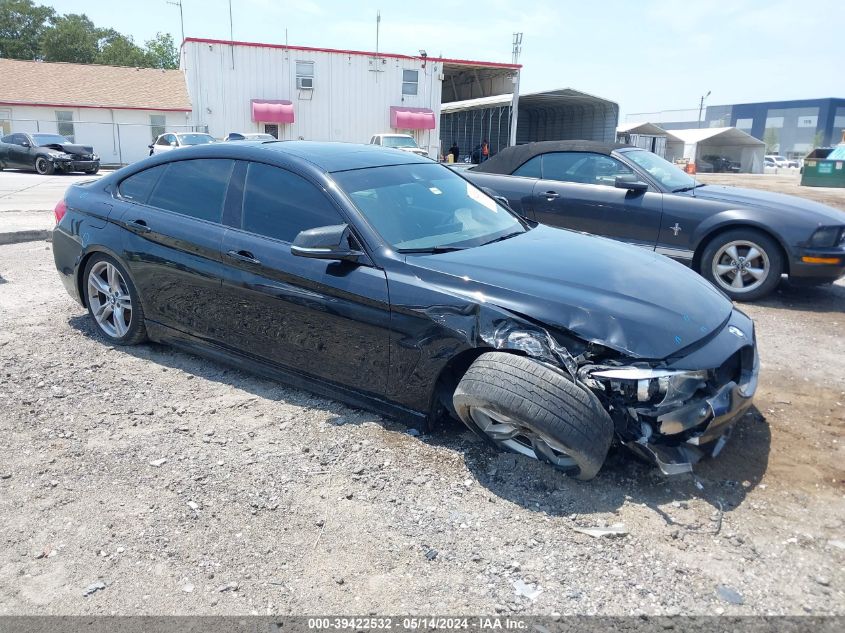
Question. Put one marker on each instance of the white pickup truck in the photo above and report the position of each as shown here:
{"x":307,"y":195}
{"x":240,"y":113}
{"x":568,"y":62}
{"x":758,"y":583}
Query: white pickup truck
{"x":405,"y":142}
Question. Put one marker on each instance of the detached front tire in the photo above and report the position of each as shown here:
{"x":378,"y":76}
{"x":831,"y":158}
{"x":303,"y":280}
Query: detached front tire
{"x":520,"y":405}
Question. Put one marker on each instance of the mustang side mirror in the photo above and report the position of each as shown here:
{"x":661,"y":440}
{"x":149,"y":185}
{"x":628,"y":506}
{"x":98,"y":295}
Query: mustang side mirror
{"x":26,"y":144}
{"x":631,"y":183}
{"x":326,"y":242}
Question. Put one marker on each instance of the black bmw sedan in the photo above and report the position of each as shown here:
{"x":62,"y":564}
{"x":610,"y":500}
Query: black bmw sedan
{"x":742,"y":240}
{"x":390,"y":282}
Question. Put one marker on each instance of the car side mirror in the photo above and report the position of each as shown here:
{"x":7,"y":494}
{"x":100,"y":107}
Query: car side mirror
{"x":26,"y":144}
{"x":631,"y":183}
{"x":172,"y":143}
{"x":326,"y":242}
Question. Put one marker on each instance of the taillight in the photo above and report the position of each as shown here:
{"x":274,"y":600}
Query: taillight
{"x":60,"y":210}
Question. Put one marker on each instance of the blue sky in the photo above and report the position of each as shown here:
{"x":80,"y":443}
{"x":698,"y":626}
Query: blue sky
{"x":644,"y":54}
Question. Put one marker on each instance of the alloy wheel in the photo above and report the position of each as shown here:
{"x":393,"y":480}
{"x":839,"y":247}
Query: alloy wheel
{"x":741,"y":266}
{"x":42,"y":165}
{"x":516,"y":436}
{"x":108,"y":296}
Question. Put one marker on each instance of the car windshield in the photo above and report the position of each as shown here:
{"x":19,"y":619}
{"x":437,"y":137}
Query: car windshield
{"x":427,"y":207}
{"x":196,"y":139}
{"x":661,"y":170}
{"x":49,"y":139}
{"x":398,"y":141}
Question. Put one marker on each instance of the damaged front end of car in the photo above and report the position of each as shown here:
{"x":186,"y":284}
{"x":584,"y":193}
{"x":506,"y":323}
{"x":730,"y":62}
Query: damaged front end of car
{"x":672,"y":412}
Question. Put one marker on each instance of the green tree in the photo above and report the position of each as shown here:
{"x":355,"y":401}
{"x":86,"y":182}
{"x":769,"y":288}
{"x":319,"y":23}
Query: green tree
{"x":162,"y":52}
{"x":22,"y":27}
{"x":772,"y":140}
{"x":72,"y":38}
{"x":119,"y":50}
{"x":818,"y":139}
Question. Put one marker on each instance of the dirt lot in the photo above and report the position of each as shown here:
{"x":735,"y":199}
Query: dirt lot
{"x":788,"y":181}
{"x":162,"y":483}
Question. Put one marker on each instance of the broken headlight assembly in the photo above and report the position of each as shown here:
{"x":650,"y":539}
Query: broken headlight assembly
{"x":647,"y":386}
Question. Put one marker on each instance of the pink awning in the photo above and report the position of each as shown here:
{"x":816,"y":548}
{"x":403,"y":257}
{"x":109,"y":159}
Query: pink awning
{"x":402,"y":118}
{"x":272,"y":111}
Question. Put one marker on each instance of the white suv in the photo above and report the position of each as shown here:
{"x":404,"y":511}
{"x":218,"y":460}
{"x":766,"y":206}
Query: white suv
{"x":405,"y":142}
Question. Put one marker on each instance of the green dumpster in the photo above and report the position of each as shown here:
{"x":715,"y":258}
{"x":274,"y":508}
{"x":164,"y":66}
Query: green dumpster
{"x":824,"y":167}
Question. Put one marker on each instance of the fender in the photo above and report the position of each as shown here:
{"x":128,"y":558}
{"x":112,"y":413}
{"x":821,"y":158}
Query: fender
{"x":728,"y":219}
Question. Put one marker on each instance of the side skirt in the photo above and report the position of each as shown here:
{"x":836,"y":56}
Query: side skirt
{"x":163,"y":334}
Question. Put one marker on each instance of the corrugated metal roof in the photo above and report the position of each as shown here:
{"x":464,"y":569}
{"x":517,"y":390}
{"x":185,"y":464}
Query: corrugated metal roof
{"x":697,"y":135}
{"x":92,"y":86}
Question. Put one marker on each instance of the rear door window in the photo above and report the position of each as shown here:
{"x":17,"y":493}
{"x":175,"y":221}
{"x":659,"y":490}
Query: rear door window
{"x":280,"y":204}
{"x":196,"y":188}
{"x":138,"y":187}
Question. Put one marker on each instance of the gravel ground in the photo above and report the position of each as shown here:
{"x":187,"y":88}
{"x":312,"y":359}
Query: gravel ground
{"x":147,"y":481}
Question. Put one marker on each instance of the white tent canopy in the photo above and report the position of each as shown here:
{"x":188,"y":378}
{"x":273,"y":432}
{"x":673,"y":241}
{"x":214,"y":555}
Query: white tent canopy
{"x":697,"y":144}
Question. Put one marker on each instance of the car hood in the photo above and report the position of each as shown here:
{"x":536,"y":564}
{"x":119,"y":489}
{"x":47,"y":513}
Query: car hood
{"x":620,"y":296}
{"x":70,"y":148}
{"x":779,"y":202}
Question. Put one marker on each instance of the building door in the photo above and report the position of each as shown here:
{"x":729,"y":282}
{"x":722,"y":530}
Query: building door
{"x":272,"y":129}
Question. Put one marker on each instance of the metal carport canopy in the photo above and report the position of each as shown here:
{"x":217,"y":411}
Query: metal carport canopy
{"x":748,"y":149}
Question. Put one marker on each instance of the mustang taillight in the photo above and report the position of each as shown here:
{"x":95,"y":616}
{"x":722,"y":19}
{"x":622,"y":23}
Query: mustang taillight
{"x":60,"y":210}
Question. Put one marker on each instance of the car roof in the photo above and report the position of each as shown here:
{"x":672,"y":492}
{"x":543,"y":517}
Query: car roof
{"x":330,"y":156}
{"x":507,"y":160}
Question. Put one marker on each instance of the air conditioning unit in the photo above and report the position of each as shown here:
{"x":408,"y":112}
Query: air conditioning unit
{"x":305,"y":83}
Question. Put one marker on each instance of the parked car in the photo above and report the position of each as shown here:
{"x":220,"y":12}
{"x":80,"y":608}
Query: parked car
{"x":250,"y":136}
{"x":794,"y":162}
{"x":175,"y":140}
{"x":722,"y":164}
{"x":742,"y":240}
{"x":46,"y":154}
{"x":405,"y":142}
{"x":388,"y":281}
{"x":768,"y":161}
{"x":776,"y":161}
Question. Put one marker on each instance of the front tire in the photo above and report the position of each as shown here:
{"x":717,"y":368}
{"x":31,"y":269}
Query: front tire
{"x":44,"y":166}
{"x":113,"y":301}
{"x":520,"y":405}
{"x":745,"y":264}
{"x":92,"y":171}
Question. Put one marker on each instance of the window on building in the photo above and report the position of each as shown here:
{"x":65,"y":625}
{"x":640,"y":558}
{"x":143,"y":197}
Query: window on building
{"x":64,"y":124}
{"x":410,"y":82}
{"x":305,"y":75}
{"x":744,"y":124}
{"x":158,"y":123}
{"x":774,"y":122}
{"x":838,"y":124}
{"x":279,"y":204}
{"x":808,"y":121}
{"x":5,"y":122}
{"x":196,"y":188}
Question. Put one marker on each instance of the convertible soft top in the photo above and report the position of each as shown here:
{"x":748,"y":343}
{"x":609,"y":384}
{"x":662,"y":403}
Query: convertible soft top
{"x":506,"y":161}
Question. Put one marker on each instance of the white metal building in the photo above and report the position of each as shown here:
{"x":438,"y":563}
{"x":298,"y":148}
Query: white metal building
{"x":297,"y":92}
{"x":697,"y":144}
{"x":117,"y":110}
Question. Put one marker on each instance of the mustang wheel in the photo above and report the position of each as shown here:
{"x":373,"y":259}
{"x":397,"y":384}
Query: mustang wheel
{"x":745,"y":264}
{"x":523,"y":406}
{"x":113,"y":302}
{"x":44,"y":166}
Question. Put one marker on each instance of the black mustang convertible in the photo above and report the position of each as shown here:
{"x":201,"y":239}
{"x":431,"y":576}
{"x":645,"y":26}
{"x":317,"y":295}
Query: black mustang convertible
{"x":386,"y":280}
{"x":742,"y":240}
{"x":46,"y":154}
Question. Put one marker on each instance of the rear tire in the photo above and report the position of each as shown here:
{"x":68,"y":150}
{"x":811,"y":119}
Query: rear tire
{"x":44,"y":166}
{"x":754,"y":253}
{"x":113,"y":302}
{"x":523,"y":406}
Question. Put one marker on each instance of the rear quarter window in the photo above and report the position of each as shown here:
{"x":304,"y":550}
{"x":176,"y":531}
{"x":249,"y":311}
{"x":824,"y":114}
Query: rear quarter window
{"x":138,"y":187}
{"x":196,"y":188}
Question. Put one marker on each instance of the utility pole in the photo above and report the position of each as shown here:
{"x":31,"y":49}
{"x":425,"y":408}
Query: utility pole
{"x":515,"y":52}
{"x":701,"y":107}
{"x":178,"y":3}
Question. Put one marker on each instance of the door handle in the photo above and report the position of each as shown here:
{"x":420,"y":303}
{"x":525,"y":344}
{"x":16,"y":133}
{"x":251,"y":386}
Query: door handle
{"x":243,"y":256}
{"x":140,"y":226}
{"x":551,"y":195}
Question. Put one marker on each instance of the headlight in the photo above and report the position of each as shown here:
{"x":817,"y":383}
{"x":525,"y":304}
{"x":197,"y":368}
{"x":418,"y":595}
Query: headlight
{"x":826,"y":236}
{"x":658,"y":387}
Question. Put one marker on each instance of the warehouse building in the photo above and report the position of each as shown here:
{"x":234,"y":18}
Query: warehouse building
{"x":322,"y":94}
{"x":117,"y":110}
{"x":788,"y":128}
